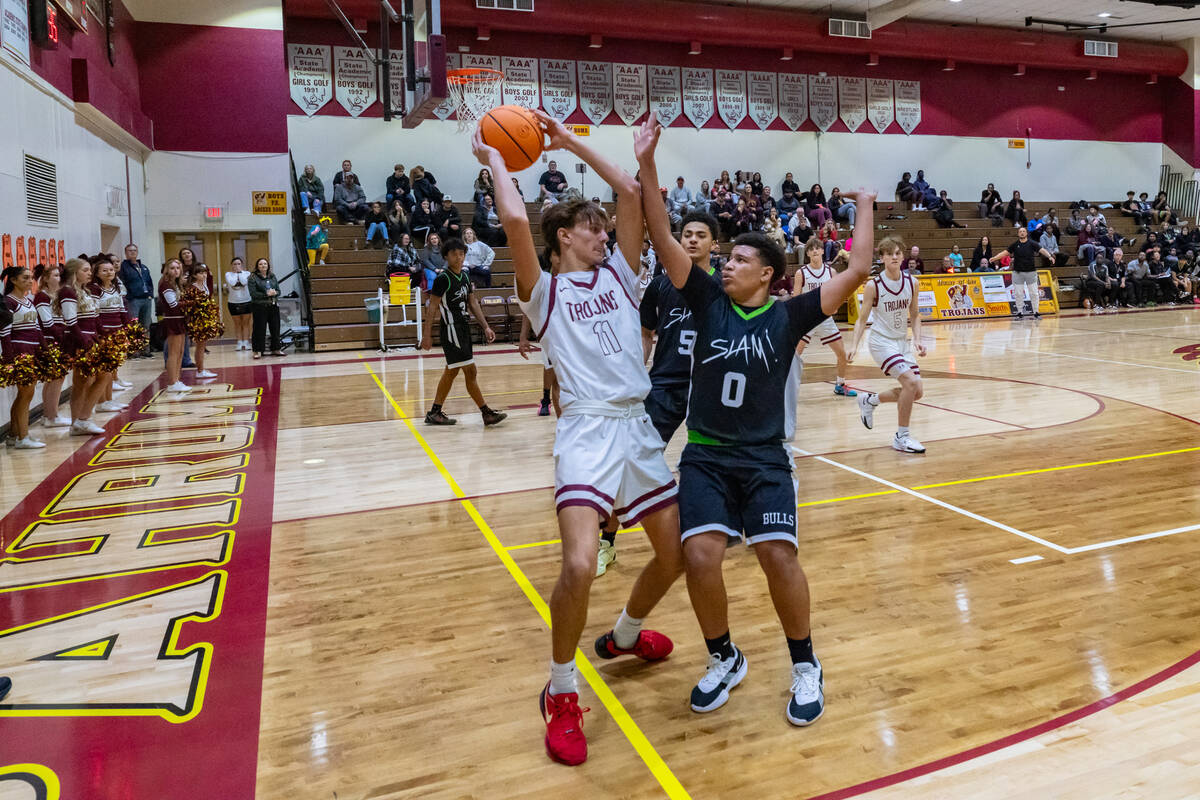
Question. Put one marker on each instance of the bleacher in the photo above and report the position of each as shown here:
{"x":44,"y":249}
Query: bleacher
{"x":353,"y":271}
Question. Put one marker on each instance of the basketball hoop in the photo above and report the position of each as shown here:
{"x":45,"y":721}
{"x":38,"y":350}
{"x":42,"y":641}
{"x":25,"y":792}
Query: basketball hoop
{"x":474,"y":92}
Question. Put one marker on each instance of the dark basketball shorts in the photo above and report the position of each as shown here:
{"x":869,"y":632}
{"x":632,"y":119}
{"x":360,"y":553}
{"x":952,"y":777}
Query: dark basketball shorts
{"x":741,"y":491}
{"x":456,"y":344}
{"x":667,"y":407}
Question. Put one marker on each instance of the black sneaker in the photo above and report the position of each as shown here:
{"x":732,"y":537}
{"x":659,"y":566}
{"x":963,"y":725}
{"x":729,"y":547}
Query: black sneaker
{"x":544,"y":409}
{"x":493,"y":417}
{"x":438,"y":418}
{"x":1036,"y":315}
{"x":722,"y":675}
{"x":5,"y":686}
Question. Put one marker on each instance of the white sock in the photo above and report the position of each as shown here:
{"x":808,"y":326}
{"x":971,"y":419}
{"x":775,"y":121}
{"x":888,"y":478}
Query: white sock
{"x":901,"y":432}
{"x":626,"y":631}
{"x":562,"y":678}
{"x":841,"y":381}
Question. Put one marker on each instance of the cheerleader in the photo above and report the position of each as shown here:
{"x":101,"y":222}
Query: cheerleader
{"x":111,"y":345}
{"x":20,"y":338}
{"x":170,"y":312}
{"x":202,"y":315}
{"x":80,"y":314}
{"x":53,"y":363}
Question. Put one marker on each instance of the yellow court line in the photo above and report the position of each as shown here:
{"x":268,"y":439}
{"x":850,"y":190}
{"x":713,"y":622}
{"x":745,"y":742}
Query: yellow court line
{"x":657,"y":766}
{"x":559,"y":541}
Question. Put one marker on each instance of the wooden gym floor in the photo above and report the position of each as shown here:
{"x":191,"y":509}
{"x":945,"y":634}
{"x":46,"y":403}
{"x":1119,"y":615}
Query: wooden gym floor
{"x":1011,"y":614}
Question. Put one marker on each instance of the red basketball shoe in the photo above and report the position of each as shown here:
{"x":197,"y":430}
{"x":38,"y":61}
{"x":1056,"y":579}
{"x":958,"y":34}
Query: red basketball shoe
{"x":565,"y":742}
{"x":650,"y":646}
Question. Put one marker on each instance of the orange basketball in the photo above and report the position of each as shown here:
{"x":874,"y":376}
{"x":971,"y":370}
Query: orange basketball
{"x":515,"y":132}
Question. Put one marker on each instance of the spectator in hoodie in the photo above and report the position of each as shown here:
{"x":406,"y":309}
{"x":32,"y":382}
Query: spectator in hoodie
{"x":486,"y":224}
{"x":350,"y":200}
{"x":399,"y":187}
{"x":1014,"y":212}
{"x":680,"y":197}
{"x":990,"y":204}
{"x":447,"y":220}
{"x":478,"y":262}
{"x":312,"y":191}
{"x":842,"y":209}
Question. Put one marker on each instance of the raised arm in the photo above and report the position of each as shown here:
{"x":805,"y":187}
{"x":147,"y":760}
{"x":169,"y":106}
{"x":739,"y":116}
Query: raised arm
{"x":670,"y":252}
{"x":629,"y":194}
{"x":841,"y":286}
{"x":510,"y":208}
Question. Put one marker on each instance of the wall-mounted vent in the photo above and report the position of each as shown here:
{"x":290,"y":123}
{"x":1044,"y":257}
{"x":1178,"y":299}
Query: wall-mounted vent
{"x":41,"y":192}
{"x":506,"y":5}
{"x":851,"y":28}
{"x":1093,"y":47}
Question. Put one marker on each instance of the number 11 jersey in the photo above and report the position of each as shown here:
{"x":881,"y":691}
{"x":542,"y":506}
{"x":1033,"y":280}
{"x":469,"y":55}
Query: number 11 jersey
{"x":589,"y":325}
{"x":741,"y":362}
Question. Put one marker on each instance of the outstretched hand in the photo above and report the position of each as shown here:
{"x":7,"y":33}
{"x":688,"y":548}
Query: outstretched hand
{"x":861,"y":195}
{"x":482,"y":151}
{"x":645,"y":138}
{"x":560,"y":137}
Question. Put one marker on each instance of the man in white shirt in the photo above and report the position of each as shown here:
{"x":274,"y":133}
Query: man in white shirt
{"x":680,"y":197}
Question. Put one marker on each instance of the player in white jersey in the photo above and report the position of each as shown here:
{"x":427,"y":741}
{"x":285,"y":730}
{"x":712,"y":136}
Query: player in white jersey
{"x":812,"y":274}
{"x":890,"y":299}
{"x":607,"y":455}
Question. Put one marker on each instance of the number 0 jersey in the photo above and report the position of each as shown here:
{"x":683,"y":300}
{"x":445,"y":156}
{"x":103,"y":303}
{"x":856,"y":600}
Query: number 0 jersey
{"x":741,"y":362}
{"x":589,"y":326}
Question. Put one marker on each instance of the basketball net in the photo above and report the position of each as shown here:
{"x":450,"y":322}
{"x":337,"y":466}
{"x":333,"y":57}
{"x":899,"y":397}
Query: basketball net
{"x":474,"y":92}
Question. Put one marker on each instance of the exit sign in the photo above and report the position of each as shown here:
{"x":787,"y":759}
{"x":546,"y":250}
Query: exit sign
{"x":214,"y":213}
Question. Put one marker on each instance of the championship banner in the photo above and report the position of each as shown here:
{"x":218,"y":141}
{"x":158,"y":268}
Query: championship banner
{"x":699,"y":96}
{"x":133,"y":602}
{"x":520,"y":81}
{"x":908,"y":105}
{"x":822,"y":100}
{"x":731,"y":96}
{"x":444,"y":109}
{"x":666,"y":96}
{"x":629,"y":91}
{"x":976,"y":295}
{"x":762,"y":91}
{"x":852,"y":102}
{"x":595,"y":90}
{"x":311,"y":73}
{"x":477,"y":61}
{"x":559,"y":93}
{"x":880,"y":109}
{"x":793,"y":99}
{"x":396,"y":79}
{"x":354,"y":79}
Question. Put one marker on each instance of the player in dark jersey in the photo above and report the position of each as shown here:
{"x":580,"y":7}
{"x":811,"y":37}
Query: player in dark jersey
{"x":457,"y":301}
{"x":667,"y":322}
{"x":735,"y":474}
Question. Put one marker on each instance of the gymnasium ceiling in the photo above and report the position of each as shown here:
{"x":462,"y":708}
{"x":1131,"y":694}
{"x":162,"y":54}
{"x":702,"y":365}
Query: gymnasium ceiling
{"x":1003,"y":13}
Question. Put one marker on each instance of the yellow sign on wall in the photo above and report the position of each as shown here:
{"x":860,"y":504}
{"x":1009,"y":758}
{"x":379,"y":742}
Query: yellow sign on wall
{"x":1016,"y":144}
{"x":580,"y":130}
{"x":268,"y":202}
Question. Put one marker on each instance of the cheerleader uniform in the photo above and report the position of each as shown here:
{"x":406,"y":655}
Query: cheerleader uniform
{"x":20,"y":339}
{"x":80,"y":319}
{"x":170,"y":311}
{"x":111,"y":327}
{"x":53,"y":363}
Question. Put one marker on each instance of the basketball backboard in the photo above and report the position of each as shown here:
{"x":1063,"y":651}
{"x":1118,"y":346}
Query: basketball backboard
{"x":425,"y":62}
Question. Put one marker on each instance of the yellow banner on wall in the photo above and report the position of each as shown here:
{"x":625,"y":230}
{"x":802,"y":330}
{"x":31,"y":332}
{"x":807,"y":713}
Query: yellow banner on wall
{"x":400,"y":290}
{"x":268,"y":202}
{"x":974,"y":295}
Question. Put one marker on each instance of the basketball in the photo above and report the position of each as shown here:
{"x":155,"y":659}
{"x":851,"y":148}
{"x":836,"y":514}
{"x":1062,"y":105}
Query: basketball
{"x":515,"y":132}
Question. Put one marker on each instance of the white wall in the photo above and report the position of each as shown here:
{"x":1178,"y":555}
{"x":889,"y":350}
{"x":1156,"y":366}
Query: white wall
{"x":261,"y":14}
{"x":178,"y":184}
{"x":40,"y":121}
{"x":1061,"y":170}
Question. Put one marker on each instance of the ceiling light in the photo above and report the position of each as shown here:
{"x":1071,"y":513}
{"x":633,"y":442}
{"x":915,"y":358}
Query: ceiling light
{"x":597,"y":41}
{"x":483,"y":33}
{"x":694,"y":50}
{"x":1020,"y":70}
{"x":1104,"y":14}
{"x":949,"y":66}
{"x":873,"y":60}
{"x":788,"y":54}
{"x":1091,"y":76}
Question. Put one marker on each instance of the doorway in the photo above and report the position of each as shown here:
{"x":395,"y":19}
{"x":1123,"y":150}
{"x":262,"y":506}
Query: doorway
{"x":217,"y":249}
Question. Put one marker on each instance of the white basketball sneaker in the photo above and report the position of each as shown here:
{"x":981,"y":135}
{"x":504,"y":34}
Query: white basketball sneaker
{"x":110,"y":405}
{"x":720,"y":677}
{"x":28,"y":443}
{"x":85,"y":427}
{"x":807,"y":702}
{"x":907,"y":444}
{"x":179,"y":386}
{"x":122,"y":385}
{"x":605,"y":556}
{"x":867,"y":402}
{"x":205,"y":374}
{"x":56,"y":422}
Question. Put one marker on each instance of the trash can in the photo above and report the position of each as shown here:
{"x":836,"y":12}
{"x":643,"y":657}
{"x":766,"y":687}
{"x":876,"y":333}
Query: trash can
{"x":372,"y":304}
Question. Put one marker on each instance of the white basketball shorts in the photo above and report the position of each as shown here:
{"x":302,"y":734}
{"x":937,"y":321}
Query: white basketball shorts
{"x":894,"y":356}
{"x":827,"y":332}
{"x":611,"y":464}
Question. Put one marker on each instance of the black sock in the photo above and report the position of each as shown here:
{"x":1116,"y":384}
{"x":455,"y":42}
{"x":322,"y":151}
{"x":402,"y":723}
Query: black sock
{"x":801,"y":650}
{"x":721,"y":646}
{"x":545,"y":395}
{"x":435,"y":408}
{"x":483,"y":409}
{"x":608,"y":536}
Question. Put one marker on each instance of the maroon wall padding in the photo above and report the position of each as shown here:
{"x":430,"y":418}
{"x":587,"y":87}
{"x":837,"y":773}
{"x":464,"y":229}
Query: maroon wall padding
{"x":80,"y":69}
{"x":214,"y":89}
{"x":1181,"y":120}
